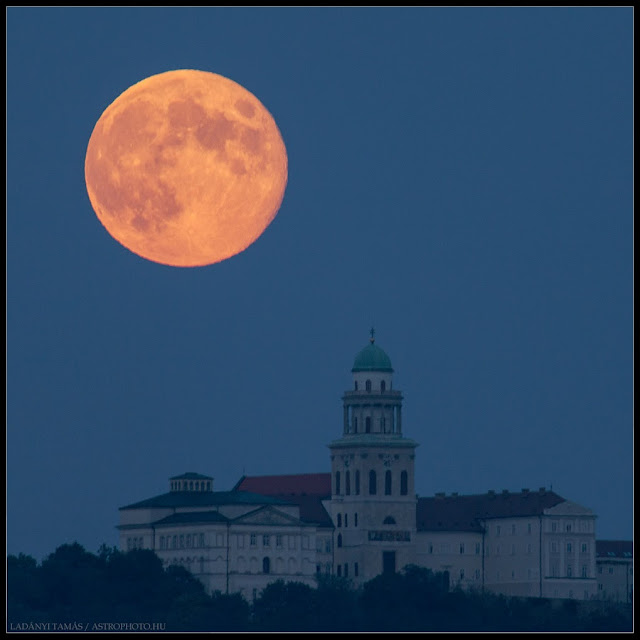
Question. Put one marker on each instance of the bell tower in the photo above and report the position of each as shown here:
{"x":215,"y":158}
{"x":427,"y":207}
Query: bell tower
{"x":373,"y":501}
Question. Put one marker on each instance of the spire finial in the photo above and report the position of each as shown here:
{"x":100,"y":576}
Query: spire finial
{"x":372,"y":338}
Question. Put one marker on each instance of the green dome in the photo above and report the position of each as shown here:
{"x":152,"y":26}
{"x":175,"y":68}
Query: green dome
{"x":372,"y":358}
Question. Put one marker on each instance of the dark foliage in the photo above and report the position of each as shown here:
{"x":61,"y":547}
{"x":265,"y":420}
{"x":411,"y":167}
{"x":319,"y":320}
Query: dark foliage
{"x":73,"y":585}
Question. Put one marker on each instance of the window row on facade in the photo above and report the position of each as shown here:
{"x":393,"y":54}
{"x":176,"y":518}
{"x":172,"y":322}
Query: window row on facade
{"x":513,"y":529}
{"x":372,"y":485}
{"x":569,"y":546}
{"x":342,"y":570}
{"x":186,"y":541}
{"x":368,"y":386}
{"x":190,"y":485}
{"x":448,"y":548}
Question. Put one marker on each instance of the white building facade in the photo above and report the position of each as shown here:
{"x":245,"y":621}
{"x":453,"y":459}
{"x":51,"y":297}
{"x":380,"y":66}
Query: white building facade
{"x":364,"y":518}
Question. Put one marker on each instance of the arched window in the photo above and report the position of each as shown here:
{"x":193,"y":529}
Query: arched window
{"x":367,"y":385}
{"x":355,"y":385}
{"x":372,"y":483}
{"x":339,"y":519}
{"x":367,"y":424}
{"x":357,"y":482}
{"x":347,"y":483}
{"x":266,"y":565}
{"x":339,"y":539}
{"x":387,"y":483}
{"x":404,"y":483}
{"x":337,"y":483}
{"x":389,"y":520}
{"x":383,"y":385}
{"x":346,"y":519}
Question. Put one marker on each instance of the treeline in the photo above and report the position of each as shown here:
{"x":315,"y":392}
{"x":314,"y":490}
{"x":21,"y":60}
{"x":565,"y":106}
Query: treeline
{"x":75,"y":590}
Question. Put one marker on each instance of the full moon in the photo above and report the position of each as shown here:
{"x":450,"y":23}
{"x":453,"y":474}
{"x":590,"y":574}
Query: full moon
{"x":186,"y":168}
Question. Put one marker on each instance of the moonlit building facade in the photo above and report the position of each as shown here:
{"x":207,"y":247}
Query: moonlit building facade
{"x":364,"y":517}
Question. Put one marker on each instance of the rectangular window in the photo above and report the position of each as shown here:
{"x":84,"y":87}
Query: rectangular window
{"x":339,"y":571}
{"x":461,"y":574}
{"x":477,"y":548}
{"x":202,"y":539}
{"x":182,"y":541}
{"x":584,"y":548}
{"x":355,"y":569}
{"x":292,"y":543}
{"x":513,"y":549}
{"x":497,"y":549}
{"x":279,"y":541}
{"x":477,"y":574}
{"x":497,"y":530}
{"x":513,"y":529}
{"x":568,"y":547}
{"x":462,"y":547}
{"x":569,"y":571}
{"x":430,"y":548}
{"x":554,"y":527}
{"x":327,"y":545}
{"x":188,"y":541}
{"x":305,"y":542}
{"x":266,"y":540}
{"x":529,"y":528}
{"x":529,"y":548}
{"x":568,"y":527}
{"x":346,"y":569}
{"x":584,"y":571}
{"x":253,"y":540}
{"x":240,"y":540}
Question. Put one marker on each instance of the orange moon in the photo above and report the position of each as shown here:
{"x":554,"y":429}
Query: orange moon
{"x":186,"y":168}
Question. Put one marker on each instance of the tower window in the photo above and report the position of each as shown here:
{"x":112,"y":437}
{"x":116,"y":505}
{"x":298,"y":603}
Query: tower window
{"x":339,"y":539}
{"x":372,"y":483}
{"x":387,"y":483}
{"x":367,"y":385}
{"x":367,"y":424}
{"x":357,"y":482}
{"x":347,"y":483}
{"x":337,"y":483}
{"x":404,"y":483}
{"x":339,"y":519}
{"x":355,"y":425}
{"x":383,"y":385}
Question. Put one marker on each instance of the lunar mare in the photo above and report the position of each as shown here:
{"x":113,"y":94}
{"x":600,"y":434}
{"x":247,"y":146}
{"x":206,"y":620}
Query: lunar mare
{"x":186,"y":168}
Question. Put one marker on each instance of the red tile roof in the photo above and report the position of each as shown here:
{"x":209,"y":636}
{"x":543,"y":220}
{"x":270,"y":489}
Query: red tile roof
{"x":614,"y":549}
{"x":302,"y":484}
{"x":465,"y":513}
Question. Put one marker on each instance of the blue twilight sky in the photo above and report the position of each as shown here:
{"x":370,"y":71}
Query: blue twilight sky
{"x":460,"y":178}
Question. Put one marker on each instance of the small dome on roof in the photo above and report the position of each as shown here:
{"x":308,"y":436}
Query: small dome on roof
{"x":372,"y":358}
